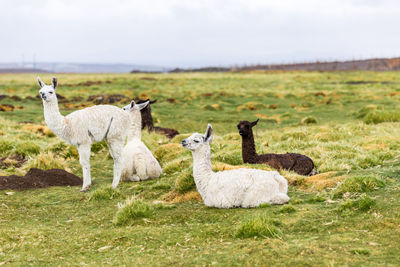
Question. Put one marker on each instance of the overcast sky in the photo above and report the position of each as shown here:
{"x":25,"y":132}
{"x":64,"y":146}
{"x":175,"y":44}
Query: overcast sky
{"x":190,"y":33}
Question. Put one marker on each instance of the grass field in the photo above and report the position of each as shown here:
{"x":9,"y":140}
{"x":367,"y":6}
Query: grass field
{"x":349,"y":214}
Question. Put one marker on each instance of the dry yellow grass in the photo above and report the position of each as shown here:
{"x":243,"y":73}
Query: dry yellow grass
{"x":38,"y":129}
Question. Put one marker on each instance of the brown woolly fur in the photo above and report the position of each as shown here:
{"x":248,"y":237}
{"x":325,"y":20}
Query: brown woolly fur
{"x":147,"y":121}
{"x":290,"y":161}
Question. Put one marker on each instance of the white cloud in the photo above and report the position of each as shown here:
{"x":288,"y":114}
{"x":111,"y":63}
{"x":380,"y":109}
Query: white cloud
{"x":193,"y":33}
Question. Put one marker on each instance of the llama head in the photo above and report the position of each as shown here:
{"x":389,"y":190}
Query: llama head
{"x":196,"y":140}
{"x":244,"y":127}
{"x":48,"y":92}
{"x":134,"y":106}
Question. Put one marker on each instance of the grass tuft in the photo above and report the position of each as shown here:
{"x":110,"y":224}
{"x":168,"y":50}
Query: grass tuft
{"x":185,"y":181}
{"x":362,"y":204}
{"x":104,"y":193}
{"x":130,"y":210}
{"x":379,"y":116}
{"x":46,"y":161}
{"x":259,"y":226}
{"x":308,"y":120}
{"x":358,"y":184}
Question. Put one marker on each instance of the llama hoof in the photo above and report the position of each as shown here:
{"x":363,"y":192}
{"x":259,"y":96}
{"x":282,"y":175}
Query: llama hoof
{"x":114,"y":186}
{"x":85,"y":188}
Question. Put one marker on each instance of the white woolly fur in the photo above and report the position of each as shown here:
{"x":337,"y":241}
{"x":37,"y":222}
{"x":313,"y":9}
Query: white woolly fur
{"x":85,"y":126}
{"x":138,"y":161}
{"x":244,"y":188}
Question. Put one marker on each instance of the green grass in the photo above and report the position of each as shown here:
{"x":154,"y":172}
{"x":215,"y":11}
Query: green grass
{"x":259,"y":226}
{"x":347,"y":215}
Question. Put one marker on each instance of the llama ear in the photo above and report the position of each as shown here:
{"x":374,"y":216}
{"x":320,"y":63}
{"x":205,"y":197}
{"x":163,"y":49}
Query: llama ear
{"x":208,"y":137}
{"x":132,"y":104}
{"x":41,"y":84}
{"x":142,"y":105}
{"x":153,"y":101}
{"x":254,"y":123}
{"x":54,"y":83}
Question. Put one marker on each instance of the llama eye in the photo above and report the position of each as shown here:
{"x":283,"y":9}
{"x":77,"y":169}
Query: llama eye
{"x":51,"y":92}
{"x":196,"y":141}
{"x":247,"y":126}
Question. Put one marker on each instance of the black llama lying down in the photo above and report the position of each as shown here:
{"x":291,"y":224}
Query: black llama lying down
{"x":290,"y":161}
{"x":147,"y":121}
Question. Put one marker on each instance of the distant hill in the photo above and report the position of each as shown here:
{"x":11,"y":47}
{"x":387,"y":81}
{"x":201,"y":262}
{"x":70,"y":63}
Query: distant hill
{"x":375,"y":64}
{"x":76,"y":67}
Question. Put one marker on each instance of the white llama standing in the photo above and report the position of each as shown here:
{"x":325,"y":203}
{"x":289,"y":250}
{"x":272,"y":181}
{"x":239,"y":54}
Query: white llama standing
{"x":244,"y":188}
{"x":138,"y":161}
{"x":83,"y":127}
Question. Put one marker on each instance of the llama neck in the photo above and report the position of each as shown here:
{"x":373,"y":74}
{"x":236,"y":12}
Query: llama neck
{"x":202,"y":167}
{"x":135,"y":129}
{"x":54,"y":120}
{"x":249,"y":153}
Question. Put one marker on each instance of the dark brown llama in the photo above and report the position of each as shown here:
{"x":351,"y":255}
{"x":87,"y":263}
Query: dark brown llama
{"x":147,"y":121}
{"x":290,"y":161}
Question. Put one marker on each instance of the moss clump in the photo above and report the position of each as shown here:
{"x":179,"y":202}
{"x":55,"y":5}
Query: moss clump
{"x":364,"y":111}
{"x":130,"y":210}
{"x":359,"y":184}
{"x":104,"y":193}
{"x":259,"y":226}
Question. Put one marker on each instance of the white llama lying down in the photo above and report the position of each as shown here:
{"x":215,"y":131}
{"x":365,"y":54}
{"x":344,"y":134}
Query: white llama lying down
{"x":85,"y":126}
{"x":138,"y":161}
{"x":244,"y":188}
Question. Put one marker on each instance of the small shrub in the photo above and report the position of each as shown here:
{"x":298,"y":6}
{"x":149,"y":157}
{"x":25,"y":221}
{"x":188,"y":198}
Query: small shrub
{"x":259,"y":226}
{"x":363,"y":204}
{"x":379,"y":116}
{"x":105,"y":193}
{"x":308,"y":120}
{"x":359,"y":184}
{"x":130,"y":210}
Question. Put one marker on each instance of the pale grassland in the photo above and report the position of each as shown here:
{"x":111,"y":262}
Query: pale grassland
{"x":348,"y":214}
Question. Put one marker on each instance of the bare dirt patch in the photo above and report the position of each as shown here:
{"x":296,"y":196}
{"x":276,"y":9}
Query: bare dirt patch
{"x":6,"y":107}
{"x":108,"y":99}
{"x":37,"y":178}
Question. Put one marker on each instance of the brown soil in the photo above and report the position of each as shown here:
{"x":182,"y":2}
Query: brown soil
{"x":108,"y":99}
{"x":37,"y":178}
{"x":6,"y":107}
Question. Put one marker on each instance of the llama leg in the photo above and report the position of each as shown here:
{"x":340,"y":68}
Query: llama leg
{"x":116,"y":148}
{"x":84,"y":160}
{"x":140,"y":166}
